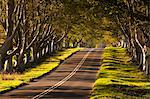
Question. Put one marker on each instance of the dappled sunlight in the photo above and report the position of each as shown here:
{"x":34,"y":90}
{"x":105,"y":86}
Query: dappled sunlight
{"x":9,"y":81}
{"x":120,"y":79}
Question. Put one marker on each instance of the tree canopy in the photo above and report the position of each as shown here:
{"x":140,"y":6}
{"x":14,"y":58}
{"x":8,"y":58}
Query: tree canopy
{"x":30,"y":29}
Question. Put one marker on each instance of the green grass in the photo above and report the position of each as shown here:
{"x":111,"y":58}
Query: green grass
{"x":8,"y":82}
{"x":119,"y":78}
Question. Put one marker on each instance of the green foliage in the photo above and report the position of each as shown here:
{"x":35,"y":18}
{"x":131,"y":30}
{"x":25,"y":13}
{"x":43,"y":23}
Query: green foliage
{"x":119,"y":78}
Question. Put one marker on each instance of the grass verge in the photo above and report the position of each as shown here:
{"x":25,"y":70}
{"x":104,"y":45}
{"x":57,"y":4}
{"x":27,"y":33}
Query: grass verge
{"x":119,"y":78}
{"x":15,"y":80}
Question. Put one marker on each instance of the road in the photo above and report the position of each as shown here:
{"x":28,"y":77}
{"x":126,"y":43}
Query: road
{"x":73,"y":79}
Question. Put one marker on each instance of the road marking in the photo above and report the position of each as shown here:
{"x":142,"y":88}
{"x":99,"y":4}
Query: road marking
{"x":63,"y":80}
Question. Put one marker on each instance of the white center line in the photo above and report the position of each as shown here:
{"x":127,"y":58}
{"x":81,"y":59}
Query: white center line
{"x":50,"y":89}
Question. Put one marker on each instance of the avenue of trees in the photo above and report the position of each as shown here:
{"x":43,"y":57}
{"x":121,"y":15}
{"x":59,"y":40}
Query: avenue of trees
{"x":132,"y":21}
{"x":30,"y":29}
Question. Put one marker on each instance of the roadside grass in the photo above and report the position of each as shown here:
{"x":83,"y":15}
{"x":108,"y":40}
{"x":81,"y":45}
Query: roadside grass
{"x":8,"y":82}
{"x":119,"y":78}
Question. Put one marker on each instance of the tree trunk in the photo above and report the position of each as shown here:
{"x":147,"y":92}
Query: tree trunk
{"x":9,"y":67}
{"x":148,"y":61}
{"x":1,"y":63}
{"x":34,"y":53}
{"x":142,"y":54}
{"x":52,"y":46}
{"x":147,"y":65}
{"x":40,"y":53}
{"x":28,"y":56}
{"x":9,"y":29}
{"x":20,"y":65}
{"x":49,"y":48}
{"x":46,"y":49}
{"x":144,"y":59}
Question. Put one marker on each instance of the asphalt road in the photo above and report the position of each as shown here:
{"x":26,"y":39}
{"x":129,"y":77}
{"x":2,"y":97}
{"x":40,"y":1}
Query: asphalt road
{"x":73,"y":79}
